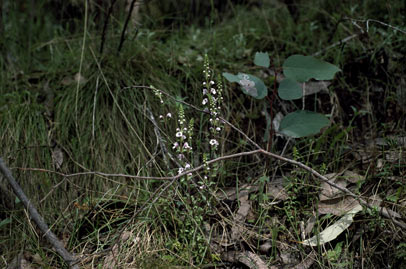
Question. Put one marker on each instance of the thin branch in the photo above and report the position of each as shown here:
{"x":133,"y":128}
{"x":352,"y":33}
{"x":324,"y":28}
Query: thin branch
{"x":38,"y":219}
{"x":382,"y":23}
{"x":122,"y":38}
{"x":106,"y":22}
{"x":383,"y":212}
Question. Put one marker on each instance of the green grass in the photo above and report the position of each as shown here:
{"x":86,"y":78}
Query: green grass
{"x":104,"y":125}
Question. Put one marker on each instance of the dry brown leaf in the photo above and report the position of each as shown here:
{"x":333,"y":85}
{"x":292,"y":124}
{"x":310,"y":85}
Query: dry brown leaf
{"x":57,"y":157}
{"x":337,"y":206}
{"x":307,"y":262}
{"x":78,"y":78}
{"x":19,"y":262}
{"x":265,"y":247}
{"x":232,"y":193}
{"x":110,"y":261}
{"x":312,"y":87}
{"x":276,"y":190}
{"x":353,"y":177}
{"x":332,"y":200}
{"x":239,"y":219}
{"x":310,"y":224}
{"x":288,"y":255}
{"x":248,"y":258}
{"x":328,"y":191}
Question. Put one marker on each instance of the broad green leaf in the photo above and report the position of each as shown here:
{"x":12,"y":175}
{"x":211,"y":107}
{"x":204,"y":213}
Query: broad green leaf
{"x":289,"y":89}
{"x":334,"y":230}
{"x":230,"y":77}
{"x":252,"y":86}
{"x":302,"y":68}
{"x":302,"y":123}
{"x":262,"y":59}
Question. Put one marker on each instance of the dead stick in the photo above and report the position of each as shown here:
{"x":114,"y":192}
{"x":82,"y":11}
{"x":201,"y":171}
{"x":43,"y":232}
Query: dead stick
{"x":38,"y":219}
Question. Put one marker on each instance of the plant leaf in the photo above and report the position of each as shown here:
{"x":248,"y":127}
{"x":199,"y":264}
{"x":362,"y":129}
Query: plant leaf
{"x":302,"y":68}
{"x":262,"y":59}
{"x":334,"y":230}
{"x":303,"y":123}
{"x":252,"y":85}
{"x":289,"y":89}
{"x":230,"y":77}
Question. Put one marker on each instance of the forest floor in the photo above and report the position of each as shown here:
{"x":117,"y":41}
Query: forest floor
{"x":93,"y":127}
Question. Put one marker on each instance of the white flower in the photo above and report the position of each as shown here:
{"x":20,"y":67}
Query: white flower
{"x":175,"y":145}
{"x":205,"y":91}
{"x":213,"y":90}
{"x":161,"y":117}
{"x":180,"y":170}
{"x":186,"y":146}
{"x":187,"y":166}
{"x":169,"y":115}
{"x":179,"y":134}
{"x":205,"y":100}
{"x":181,"y":156}
{"x":211,"y":82}
{"x":214,"y":142}
{"x":218,"y":129}
{"x":204,"y":83}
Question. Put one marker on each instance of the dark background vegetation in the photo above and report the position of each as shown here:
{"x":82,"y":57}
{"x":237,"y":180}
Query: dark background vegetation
{"x":97,"y":122}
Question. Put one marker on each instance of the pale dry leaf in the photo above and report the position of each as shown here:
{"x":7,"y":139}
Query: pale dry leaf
{"x":334,"y":230}
{"x":276,"y":122}
{"x":328,"y":191}
{"x":57,"y":157}
{"x":337,"y":206}
{"x":110,"y":261}
{"x":67,"y":81}
{"x":232,"y":193}
{"x":248,"y":258}
{"x":19,"y":262}
{"x":79,"y":78}
{"x":265,"y":247}
{"x":313,"y":87}
{"x":310,"y":224}
{"x":399,"y":140}
{"x":276,"y":190}
{"x":239,"y":219}
{"x":376,"y":201}
{"x":287,"y":254}
{"x":307,"y":262}
{"x":353,"y":177}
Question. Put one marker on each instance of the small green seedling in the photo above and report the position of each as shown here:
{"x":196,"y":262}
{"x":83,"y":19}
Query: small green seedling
{"x":296,"y":69}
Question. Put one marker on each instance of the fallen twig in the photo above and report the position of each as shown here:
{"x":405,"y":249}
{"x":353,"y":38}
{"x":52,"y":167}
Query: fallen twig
{"x":38,"y":219}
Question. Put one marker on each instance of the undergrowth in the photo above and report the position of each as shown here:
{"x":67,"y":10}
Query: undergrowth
{"x":55,"y":123}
